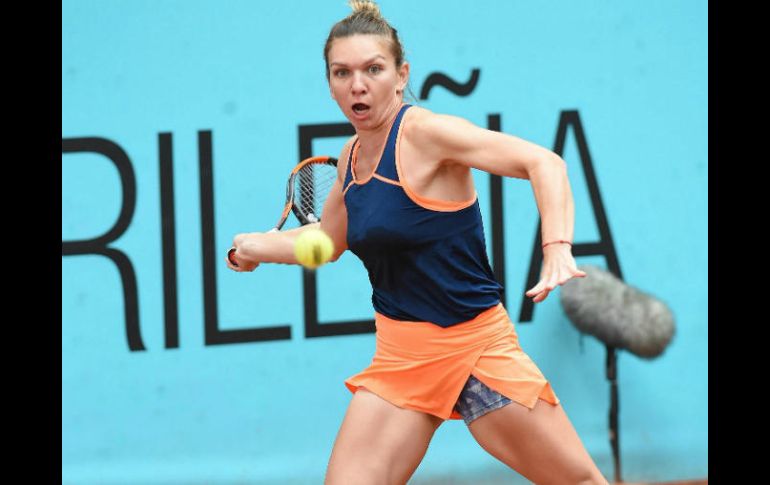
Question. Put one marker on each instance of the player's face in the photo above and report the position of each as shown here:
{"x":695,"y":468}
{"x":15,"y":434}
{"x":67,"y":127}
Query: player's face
{"x":362,"y":70}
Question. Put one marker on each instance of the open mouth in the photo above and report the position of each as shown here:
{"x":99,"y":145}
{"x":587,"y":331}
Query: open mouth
{"x":360,"y":108}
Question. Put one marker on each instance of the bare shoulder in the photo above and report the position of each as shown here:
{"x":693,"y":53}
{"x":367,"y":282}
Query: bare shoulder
{"x":456,"y":141}
{"x":419,"y":121}
{"x":429,"y":131}
{"x":427,"y":126}
{"x":418,"y":117}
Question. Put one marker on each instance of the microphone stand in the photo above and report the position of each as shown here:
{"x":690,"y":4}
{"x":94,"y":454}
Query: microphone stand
{"x":614,"y":431}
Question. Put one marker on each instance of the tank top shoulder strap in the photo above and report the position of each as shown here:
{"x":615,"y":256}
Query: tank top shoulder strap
{"x":387,"y":167}
{"x":348,"y":170}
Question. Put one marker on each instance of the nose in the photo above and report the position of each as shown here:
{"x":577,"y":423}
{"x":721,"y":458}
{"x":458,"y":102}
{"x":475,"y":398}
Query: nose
{"x":358,"y":83}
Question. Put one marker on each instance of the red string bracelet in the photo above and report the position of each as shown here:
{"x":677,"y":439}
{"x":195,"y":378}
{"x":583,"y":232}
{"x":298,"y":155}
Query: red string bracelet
{"x":559,"y":241}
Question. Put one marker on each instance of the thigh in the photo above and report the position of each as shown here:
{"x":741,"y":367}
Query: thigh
{"x":379,"y":442}
{"x":541,"y":443}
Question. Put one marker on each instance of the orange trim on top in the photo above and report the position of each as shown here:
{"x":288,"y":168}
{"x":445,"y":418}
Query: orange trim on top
{"x":386,"y":180}
{"x":426,"y":202}
{"x":354,"y":163}
{"x":382,"y":153}
{"x":346,"y":188}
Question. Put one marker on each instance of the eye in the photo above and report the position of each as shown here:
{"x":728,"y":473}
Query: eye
{"x":375,"y":65}
{"x":338,"y":71}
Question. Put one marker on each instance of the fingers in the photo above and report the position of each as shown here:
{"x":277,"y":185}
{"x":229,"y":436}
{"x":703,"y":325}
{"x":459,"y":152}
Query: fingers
{"x":242,"y":266}
{"x":555,"y":272}
{"x":230,"y":254}
{"x":544,"y":287}
{"x":230,"y":265}
{"x":233,"y":263}
{"x":541,"y":296}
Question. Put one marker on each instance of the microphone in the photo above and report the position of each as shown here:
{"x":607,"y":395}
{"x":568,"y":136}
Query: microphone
{"x":619,"y":315}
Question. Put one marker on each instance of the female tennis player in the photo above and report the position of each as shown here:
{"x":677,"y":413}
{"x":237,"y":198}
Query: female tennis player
{"x":404,"y":202}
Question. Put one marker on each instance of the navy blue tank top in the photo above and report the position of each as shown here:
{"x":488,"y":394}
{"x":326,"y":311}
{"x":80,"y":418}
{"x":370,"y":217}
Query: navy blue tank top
{"x":426,"y":258}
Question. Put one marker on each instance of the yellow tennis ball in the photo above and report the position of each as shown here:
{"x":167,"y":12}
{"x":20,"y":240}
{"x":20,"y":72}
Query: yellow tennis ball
{"x":313,"y":248}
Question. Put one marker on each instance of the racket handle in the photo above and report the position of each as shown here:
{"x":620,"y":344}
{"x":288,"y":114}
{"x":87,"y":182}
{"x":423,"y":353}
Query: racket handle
{"x":230,"y":256}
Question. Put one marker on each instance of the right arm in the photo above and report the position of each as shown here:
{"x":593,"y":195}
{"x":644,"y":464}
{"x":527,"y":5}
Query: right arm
{"x":278,"y":247}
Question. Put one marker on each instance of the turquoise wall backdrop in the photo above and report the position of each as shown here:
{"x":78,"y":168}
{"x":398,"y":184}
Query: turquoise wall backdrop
{"x":164,"y":80}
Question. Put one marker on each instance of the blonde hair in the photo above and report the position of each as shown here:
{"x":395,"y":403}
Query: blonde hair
{"x":365,"y":6}
{"x":366,"y":19}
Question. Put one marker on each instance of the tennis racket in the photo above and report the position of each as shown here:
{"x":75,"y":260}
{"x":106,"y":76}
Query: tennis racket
{"x":309,"y":184}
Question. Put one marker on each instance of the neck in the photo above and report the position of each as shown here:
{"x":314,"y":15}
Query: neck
{"x":370,"y":141}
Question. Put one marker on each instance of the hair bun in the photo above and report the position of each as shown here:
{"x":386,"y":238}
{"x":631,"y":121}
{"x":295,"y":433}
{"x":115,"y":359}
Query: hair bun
{"x":365,"y":6}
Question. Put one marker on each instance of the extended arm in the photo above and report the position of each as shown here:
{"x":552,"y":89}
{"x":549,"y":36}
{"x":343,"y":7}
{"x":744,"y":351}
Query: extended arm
{"x":454,"y":140}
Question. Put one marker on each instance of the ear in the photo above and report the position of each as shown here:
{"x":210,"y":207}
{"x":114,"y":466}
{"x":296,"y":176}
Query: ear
{"x":403,"y":74}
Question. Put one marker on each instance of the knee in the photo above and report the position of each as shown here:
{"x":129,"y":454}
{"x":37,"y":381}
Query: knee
{"x":337,"y":475}
{"x":593,"y":479}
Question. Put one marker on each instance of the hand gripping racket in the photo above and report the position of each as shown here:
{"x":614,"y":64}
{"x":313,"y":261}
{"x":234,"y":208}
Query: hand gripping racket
{"x":306,"y":191}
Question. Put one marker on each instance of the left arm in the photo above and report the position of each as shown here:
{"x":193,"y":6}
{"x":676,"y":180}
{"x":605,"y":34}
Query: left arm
{"x":455,"y":140}
{"x":554,"y":200}
{"x":557,"y":215}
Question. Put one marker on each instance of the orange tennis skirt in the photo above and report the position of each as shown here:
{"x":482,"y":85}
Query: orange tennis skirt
{"x":424,"y":367}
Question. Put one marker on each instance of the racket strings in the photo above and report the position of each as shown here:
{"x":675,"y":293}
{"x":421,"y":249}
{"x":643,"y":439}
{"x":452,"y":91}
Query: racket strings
{"x":312,"y":185}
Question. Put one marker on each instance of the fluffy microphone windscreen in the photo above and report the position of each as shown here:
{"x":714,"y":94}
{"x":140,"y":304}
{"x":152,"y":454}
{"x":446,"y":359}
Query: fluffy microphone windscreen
{"x":619,"y":315}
